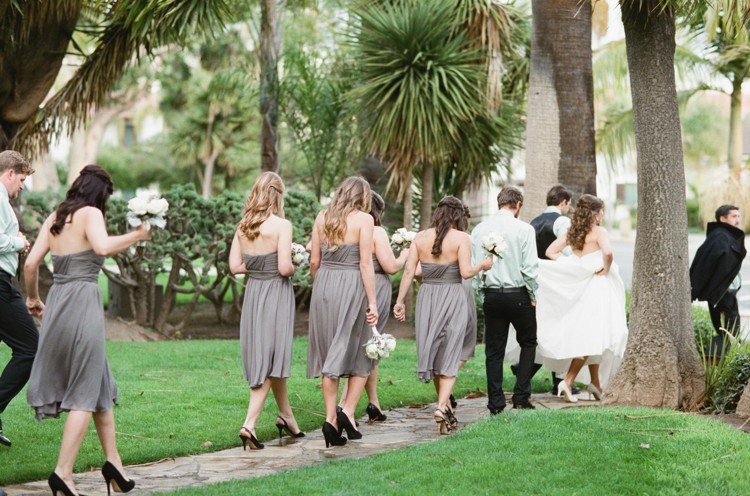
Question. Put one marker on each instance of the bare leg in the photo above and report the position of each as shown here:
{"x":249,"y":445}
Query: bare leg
{"x":278,"y":386}
{"x":594,"y":373}
{"x":575,"y":366}
{"x":330,"y":392}
{"x":371,"y":387}
{"x":356,"y":385}
{"x":344,"y":390}
{"x":74,"y":431}
{"x":257,"y":400}
{"x":105,"y":429}
{"x":445,"y":389}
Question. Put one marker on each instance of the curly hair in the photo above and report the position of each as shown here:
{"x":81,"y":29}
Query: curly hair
{"x":352,"y":195}
{"x":449,"y":214}
{"x":266,"y":198}
{"x":377,"y":208}
{"x":584,"y":219}
{"x":92,"y":188}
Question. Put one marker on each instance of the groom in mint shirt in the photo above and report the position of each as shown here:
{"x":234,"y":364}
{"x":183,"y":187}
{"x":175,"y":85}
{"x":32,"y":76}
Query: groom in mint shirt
{"x":509,"y":298}
{"x":17,"y":328}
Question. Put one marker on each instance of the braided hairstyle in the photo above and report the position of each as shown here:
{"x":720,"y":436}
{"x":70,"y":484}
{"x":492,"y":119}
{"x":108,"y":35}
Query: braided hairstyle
{"x":449,"y":214}
{"x":584,"y":219}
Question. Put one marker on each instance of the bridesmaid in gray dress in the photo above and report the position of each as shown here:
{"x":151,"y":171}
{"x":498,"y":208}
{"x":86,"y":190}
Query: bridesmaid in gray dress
{"x":262,"y":249}
{"x":71,"y":373}
{"x":343,"y":304}
{"x":444,"y":252}
{"x":384,"y":264}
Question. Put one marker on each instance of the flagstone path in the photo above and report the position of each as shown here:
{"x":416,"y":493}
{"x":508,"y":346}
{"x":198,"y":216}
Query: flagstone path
{"x":404,"y":427}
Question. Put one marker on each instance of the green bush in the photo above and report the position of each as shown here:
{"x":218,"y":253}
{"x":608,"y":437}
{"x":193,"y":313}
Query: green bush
{"x":731,"y":382}
{"x":694,"y":213}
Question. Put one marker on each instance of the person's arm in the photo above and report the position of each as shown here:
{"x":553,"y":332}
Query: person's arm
{"x":101,"y":242}
{"x":31,"y":269}
{"x":530,"y":263}
{"x":607,"y":256}
{"x":554,"y":251}
{"x":8,"y":243}
{"x":236,"y":264}
{"x":284,"y":249}
{"x":366,"y":269}
{"x":315,"y":252}
{"x":399,"y":309}
{"x":464,"y":259}
{"x":384,"y":253}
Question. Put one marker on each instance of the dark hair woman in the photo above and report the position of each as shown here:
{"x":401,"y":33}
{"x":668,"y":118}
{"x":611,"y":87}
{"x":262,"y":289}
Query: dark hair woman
{"x":70,"y":372}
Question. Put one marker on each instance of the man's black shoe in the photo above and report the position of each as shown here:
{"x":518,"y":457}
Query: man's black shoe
{"x":524,"y":406}
{"x":499,"y":410}
{"x":514,"y":369}
{"x":3,"y":440}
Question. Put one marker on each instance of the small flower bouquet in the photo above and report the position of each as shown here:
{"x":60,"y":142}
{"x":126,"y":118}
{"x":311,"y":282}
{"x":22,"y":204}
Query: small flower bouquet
{"x":401,"y":239}
{"x":300,"y":257}
{"x":379,"y":345}
{"x":149,"y":208}
{"x":494,"y":244}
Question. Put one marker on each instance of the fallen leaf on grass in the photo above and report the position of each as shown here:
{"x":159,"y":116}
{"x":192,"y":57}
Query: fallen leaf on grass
{"x":644,"y":446}
{"x":207,"y":443}
{"x":475,"y":394}
{"x":416,"y":405}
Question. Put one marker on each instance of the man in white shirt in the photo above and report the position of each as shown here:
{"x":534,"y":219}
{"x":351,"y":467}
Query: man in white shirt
{"x":17,"y":328}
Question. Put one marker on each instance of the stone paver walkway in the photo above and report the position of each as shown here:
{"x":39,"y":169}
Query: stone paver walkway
{"x":404,"y":427}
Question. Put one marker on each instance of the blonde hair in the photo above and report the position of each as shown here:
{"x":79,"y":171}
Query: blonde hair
{"x":584,"y":220}
{"x":352,"y":195}
{"x":266,"y":198}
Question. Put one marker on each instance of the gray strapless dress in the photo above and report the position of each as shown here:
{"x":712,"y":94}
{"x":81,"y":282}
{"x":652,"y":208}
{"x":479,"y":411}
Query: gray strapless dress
{"x":338,"y":327}
{"x":70,"y":371}
{"x":441,"y":320}
{"x":383,"y":293}
{"x":267,"y":320}
{"x":470,"y":339}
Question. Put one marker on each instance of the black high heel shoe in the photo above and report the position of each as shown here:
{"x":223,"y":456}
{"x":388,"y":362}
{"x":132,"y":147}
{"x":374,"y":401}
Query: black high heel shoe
{"x":451,"y":418}
{"x":346,"y":424}
{"x":249,"y":439}
{"x":283,"y":426}
{"x":332,"y":436}
{"x":118,"y":481}
{"x":57,"y":484}
{"x":444,"y":427}
{"x":454,"y":403}
{"x":375,"y":414}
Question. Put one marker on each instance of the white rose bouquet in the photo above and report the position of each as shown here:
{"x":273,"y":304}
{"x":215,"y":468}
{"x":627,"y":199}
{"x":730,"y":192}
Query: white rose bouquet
{"x":401,"y":239}
{"x":147,"y":207}
{"x":494,"y":244}
{"x":300,"y":257}
{"x":379,"y":345}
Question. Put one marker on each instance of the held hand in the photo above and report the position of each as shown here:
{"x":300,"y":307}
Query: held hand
{"x":372,"y":315}
{"x":143,"y":231}
{"x":26,"y":245}
{"x":35,"y":306}
{"x":602,"y":272}
{"x":533,"y":303}
{"x":486,"y":264}
{"x":399,"y":311}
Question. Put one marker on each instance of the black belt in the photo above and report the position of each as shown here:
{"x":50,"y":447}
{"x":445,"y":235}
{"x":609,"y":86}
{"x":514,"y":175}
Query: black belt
{"x":505,"y":290}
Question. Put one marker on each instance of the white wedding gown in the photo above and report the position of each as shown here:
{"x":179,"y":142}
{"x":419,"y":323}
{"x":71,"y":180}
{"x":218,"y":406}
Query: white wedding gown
{"x":580,"y":314}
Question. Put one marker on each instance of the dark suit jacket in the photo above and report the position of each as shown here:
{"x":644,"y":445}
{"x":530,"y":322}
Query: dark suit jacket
{"x":717,"y":262}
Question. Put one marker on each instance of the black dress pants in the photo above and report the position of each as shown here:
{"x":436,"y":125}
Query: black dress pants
{"x":725,"y":314}
{"x":500,"y":311}
{"x":18,"y":331}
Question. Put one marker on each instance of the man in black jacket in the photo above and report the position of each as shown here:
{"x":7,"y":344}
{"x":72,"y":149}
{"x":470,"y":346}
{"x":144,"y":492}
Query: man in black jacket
{"x":715,"y":271}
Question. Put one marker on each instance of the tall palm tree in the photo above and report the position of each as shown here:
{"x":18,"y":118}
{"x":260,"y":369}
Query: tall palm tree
{"x":424,"y":75}
{"x":35,"y":37}
{"x":560,"y":127}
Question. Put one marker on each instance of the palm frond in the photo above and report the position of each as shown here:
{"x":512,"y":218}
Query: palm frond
{"x":133,"y":28}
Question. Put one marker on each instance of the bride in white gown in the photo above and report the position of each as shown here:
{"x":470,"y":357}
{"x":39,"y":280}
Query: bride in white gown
{"x":581,"y":303}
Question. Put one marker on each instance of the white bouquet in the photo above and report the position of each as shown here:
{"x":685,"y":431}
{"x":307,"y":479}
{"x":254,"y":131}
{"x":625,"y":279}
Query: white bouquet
{"x":494,"y":244}
{"x":147,"y":207}
{"x":300,"y":257}
{"x":379,"y":345}
{"x":401,"y":239}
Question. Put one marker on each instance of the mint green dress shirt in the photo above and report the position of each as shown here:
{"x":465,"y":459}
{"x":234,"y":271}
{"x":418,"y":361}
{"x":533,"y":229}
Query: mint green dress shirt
{"x":520,"y":265}
{"x":10,"y":242}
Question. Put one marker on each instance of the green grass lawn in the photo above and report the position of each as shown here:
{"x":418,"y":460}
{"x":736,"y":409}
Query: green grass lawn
{"x":177,"y":396}
{"x":587,"y":451}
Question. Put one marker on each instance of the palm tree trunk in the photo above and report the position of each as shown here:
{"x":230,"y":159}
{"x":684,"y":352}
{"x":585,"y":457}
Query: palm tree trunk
{"x":660,"y":367}
{"x":269,"y":86}
{"x":560,"y":128}
{"x":734,"y":154}
{"x":425,"y":210}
